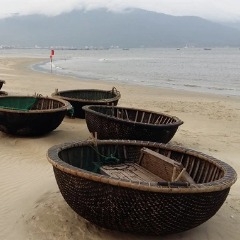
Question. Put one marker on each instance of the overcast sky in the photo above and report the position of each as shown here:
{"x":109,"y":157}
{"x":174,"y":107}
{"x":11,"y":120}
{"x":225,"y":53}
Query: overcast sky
{"x":216,"y":10}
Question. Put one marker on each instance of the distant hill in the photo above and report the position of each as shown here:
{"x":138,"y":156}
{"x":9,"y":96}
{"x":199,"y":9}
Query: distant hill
{"x":101,"y":28}
{"x":235,"y":25}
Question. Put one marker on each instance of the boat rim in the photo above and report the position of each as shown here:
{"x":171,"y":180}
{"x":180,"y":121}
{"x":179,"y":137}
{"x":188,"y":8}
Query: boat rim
{"x":229,"y":178}
{"x":117,"y":97}
{"x":67,"y":106}
{"x":177,"y":122}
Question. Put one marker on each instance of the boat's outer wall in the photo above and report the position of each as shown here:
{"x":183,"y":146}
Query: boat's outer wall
{"x":109,"y":128}
{"x":77,"y":106}
{"x":30,"y":124}
{"x":125,"y":209}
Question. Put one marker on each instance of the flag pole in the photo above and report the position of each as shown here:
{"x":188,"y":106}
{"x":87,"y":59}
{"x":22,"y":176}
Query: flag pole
{"x":51,"y":62}
{"x":51,"y":57}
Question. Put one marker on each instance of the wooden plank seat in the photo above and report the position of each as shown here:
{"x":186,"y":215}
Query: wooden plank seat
{"x":167,"y":168}
{"x":130,"y":171}
{"x":151,"y":167}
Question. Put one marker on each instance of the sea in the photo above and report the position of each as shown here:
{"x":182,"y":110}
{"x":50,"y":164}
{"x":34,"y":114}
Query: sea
{"x":208,"y":70}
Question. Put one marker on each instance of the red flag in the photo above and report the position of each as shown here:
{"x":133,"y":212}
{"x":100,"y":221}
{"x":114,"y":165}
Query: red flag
{"x":52,"y":52}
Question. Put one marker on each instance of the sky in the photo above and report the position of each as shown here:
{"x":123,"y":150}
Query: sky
{"x":214,"y":10}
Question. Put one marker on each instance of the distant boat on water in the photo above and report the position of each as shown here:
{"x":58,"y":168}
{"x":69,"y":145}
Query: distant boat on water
{"x":207,"y":49}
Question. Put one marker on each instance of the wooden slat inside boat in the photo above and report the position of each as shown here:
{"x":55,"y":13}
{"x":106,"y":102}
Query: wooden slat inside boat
{"x":131,"y":172}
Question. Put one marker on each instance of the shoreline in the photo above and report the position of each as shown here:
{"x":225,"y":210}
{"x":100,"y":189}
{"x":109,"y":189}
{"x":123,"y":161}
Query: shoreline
{"x":29,"y":64}
{"x":31,"y":205}
{"x":178,"y":86}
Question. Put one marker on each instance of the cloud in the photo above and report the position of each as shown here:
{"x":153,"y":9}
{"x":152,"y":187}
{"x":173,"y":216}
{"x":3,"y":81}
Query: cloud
{"x":216,"y":10}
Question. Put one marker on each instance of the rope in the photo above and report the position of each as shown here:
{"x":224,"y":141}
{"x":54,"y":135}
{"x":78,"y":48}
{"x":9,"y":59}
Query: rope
{"x":104,"y":160}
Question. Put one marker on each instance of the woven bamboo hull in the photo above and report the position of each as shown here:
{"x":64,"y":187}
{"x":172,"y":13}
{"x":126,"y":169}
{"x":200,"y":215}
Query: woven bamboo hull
{"x":100,"y":121}
{"x":139,"y":207}
{"x":118,"y":208}
{"x":30,"y":125}
{"x":80,"y":98}
{"x":34,"y":122}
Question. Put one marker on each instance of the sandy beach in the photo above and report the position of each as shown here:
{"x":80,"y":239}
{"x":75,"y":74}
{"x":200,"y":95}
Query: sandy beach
{"x":31,"y":206}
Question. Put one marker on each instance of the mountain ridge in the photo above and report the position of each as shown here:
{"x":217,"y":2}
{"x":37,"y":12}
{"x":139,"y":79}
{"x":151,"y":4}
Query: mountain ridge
{"x":101,"y":28}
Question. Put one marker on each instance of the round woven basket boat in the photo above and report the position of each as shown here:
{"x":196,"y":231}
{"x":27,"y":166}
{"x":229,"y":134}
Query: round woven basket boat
{"x":1,"y":83}
{"x":130,"y":123}
{"x":139,"y":206}
{"x":31,"y":115}
{"x":81,"y":97}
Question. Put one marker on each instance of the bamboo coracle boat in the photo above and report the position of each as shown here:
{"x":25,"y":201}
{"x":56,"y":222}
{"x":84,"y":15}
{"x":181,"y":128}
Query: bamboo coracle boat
{"x":130,"y":123}
{"x":140,"y":187}
{"x":81,"y":97}
{"x":31,"y":115}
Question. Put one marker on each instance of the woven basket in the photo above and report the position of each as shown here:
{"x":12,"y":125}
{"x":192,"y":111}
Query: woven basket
{"x":139,"y":207}
{"x":45,"y":115}
{"x":1,"y":83}
{"x":81,"y":97}
{"x":130,"y":123}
